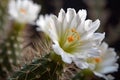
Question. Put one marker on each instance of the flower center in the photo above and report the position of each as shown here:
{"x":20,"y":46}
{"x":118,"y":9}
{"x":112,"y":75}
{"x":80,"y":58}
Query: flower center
{"x":23,"y":11}
{"x":97,"y":60}
{"x":70,"y":40}
{"x":94,"y":60}
{"x":74,"y":35}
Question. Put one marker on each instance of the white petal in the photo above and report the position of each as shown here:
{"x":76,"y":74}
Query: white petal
{"x":81,"y":63}
{"x":12,"y":9}
{"x":104,"y":46}
{"x":61,"y":15}
{"x":66,"y":58}
{"x":82,"y":13}
{"x":64,"y":25}
{"x":43,"y":23}
{"x":98,"y":37}
{"x":100,"y":75}
{"x":70,"y":14}
{"x":56,"y":25}
{"x":75,"y":22}
{"x":95,"y":25}
{"x":109,"y":69}
{"x":94,"y":52}
{"x":109,"y":61}
{"x":87,"y":24}
{"x":92,"y":66}
{"x":53,"y":36}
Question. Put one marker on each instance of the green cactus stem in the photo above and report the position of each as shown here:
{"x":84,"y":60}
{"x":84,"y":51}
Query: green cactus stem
{"x":3,"y":13}
{"x":45,"y":68}
{"x":10,"y":48}
{"x":85,"y":74}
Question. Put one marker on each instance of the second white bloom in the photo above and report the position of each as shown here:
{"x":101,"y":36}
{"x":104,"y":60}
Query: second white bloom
{"x":104,"y":64}
{"x":23,"y":10}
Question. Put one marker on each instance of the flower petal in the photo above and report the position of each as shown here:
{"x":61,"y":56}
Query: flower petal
{"x":101,"y":75}
{"x":109,"y":69}
{"x":70,"y":14}
{"x":66,"y":58}
{"x":81,"y":63}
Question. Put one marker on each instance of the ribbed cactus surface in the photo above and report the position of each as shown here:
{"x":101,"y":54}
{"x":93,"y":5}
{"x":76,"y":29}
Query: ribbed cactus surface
{"x":10,"y":47}
{"x":3,"y":13}
{"x":40,"y":69}
{"x":85,"y":74}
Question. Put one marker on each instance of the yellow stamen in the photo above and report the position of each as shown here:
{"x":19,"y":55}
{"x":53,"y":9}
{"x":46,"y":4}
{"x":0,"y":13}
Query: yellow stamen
{"x":73,"y":30}
{"x":70,"y":39}
{"x":75,"y":33}
{"x":78,"y":36}
{"x":23,"y":11}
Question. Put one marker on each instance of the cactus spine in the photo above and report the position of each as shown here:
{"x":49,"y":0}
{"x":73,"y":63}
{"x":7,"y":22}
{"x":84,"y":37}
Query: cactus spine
{"x":40,"y":69}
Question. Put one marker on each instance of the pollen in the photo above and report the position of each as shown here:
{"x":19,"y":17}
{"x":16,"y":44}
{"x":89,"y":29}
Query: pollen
{"x":70,"y":39}
{"x":78,"y":36}
{"x":98,"y":60}
{"x":23,"y":11}
{"x":73,"y":35}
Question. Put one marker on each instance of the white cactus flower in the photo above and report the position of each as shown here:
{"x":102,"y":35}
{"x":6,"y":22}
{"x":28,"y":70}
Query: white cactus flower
{"x":72,"y":35}
{"x":103,"y":64}
{"x":23,"y":11}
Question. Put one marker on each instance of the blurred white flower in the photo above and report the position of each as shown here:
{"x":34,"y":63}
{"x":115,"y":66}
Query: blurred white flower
{"x":24,"y":11}
{"x":103,"y":64}
{"x":72,"y":35}
{"x":43,"y":23}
